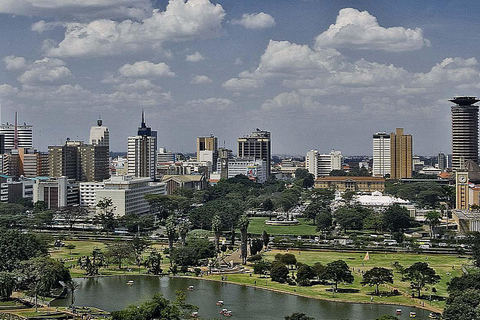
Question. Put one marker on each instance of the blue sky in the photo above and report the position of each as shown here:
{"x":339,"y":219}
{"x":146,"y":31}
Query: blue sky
{"x":317,"y":74}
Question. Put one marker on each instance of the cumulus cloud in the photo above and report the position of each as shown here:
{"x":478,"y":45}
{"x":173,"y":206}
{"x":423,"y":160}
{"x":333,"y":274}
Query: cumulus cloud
{"x":215,"y":104}
{"x":452,"y":70}
{"x":15,"y":63}
{"x":256,"y":21}
{"x":46,"y":70}
{"x":7,"y":90}
{"x":360,"y":30}
{"x":200,"y":80}
{"x":294,"y":100}
{"x":85,"y":9}
{"x":179,"y":22}
{"x":146,"y":69}
{"x":42,"y":26}
{"x":195,"y":57}
{"x":236,"y":84}
{"x":137,"y":85}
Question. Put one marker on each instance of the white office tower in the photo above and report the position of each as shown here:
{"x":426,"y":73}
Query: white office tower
{"x":141,"y":156}
{"x":99,"y":135}
{"x":16,"y":136}
{"x":322,"y":164}
{"x":381,"y":154}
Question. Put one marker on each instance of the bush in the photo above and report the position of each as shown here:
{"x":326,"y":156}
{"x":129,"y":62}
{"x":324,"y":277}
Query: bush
{"x":254,"y":258}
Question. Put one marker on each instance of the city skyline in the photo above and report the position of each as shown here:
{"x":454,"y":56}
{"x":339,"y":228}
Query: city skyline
{"x":317,"y":75}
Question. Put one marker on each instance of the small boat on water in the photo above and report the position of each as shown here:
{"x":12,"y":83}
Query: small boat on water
{"x":413,"y":314}
{"x":190,"y":288}
{"x":195,"y":314}
{"x":434,"y":315}
{"x":226,"y":313}
{"x":398,"y":311}
{"x":130,"y":282}
{"x":219,"y":303}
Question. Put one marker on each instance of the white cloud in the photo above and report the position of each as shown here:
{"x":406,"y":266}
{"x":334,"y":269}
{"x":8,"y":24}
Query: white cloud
{"x":15,"y":63}
{"x":450,"y":70}
{"x":42,"y":26}
{"x":195,"y":57}
{"x":180,"y":21}
{"x":200,"y":80}
{"x":293,"y":101}
{"x":84,"y":9}
{"x":7,"y":90}
{"x":216,"y":104}
{"x":147,"y":69}
{"x":137,"y":85}
{"x":236,"y":84}
{"x":256,"y":21}
{"x":238,"y":61}
{"x":47,"y":70}
{"x":360,"y":30}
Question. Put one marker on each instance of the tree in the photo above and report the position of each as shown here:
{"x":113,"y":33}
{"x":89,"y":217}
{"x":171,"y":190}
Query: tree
{"x":464,"y":298}
{"x":118,"y":252}
{"x":324,"y":221}
{"x":288,"y":258}
{"x":154,"y":262}
{"x":377,"y":276}
{"x":217,"y":231}
{"x":301,"y":173}
{"x":298,"y":316}
{"x":338,"y":271}
{"x":256,"y":246}
{"x":16,"y":247}
{"x":165,"y":206}
{"x":374,"y":221}
{"x":474,"y":241}
{"x":420,"y":274}
{"x":348,"y":218}
{"x":265,"y":238}
{"x":72,"y":214}
{"x":432,"y":218}
{"x":396,"y":218}
{"x":138,"y":245}
{"x":156,"y":308}
{"x":279,"y":272}
{"x":314,"y":209}
{"x":72,"y":286}
{"x":319,"y":270}
{"x":171,"y":229}
{"x":106,"y":217}
{"x":183,"y":228}
{"x":243,"y":223}
{"x":7,"y":284}
{"x":267,"y":205}
{"x":304,"y":274}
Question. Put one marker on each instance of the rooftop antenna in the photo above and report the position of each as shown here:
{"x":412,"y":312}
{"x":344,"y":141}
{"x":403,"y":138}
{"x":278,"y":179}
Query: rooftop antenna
{"x":15,"y":133}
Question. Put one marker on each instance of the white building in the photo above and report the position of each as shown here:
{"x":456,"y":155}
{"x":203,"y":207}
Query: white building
{"x":322,"y":164}
{"x":56,"y":192}
{"x":88,"y":192}
{"x":141,"y":156}
{"x":128,"y":193}
{"x":99,"y":135}
{"x":381,"y":154}
{"x":254,"y":169}
{"x":24,"y":136}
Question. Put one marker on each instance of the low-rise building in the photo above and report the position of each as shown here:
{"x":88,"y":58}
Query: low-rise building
{"x":350,"y":183}
{"x":467,"y":221}
{"x":56,"y":192}
{"x":193,"y":182}
{"x":128,"y":193}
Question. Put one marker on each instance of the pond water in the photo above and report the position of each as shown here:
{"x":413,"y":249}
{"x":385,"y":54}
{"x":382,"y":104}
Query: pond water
{"x":113,"y":293}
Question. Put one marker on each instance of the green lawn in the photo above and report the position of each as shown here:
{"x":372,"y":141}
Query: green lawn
{"x":257,"y":225}
{"x":442,"y":264}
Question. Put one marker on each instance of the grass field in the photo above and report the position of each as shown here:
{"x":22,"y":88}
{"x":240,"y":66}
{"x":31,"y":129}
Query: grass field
{"x":257,"y":225}
{"x":447,"y":266}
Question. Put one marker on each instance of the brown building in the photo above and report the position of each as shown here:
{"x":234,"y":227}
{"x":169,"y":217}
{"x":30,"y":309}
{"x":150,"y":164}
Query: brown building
{"x":357,"y":184}
{"x":401,"y":146}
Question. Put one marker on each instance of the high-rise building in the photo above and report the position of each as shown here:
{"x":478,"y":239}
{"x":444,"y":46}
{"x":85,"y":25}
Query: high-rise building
{"x":381,"y":154}
{"x":141,"y":153}
{"x":401,"y":146}
{"x":442,"y":161}
{"x":256,"y":146}
{"x":322,"y":164}
{"x":24,"y":136}
{"x":99,"y":135}
{"x":464,"y":130}
{"x":79,"y":161}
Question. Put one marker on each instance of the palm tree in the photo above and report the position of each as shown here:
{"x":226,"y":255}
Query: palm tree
{"x":432,"y":218}
{"x":171,"y":234}
{"x":183,"y":228}
{"x":217,"y":230}
{"x":72,"y":285}
{"x":243,"y":223}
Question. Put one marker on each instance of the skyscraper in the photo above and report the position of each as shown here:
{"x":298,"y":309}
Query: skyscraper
{"x":256,"y":146}
{"x":99,"y":135}
{"x":322,"y":164}
{"x":464,"y":130}
{"x":381,"y":154}
{"x":400,"y":154}
{"x":141,"y":153}
{"x":16,"y":136}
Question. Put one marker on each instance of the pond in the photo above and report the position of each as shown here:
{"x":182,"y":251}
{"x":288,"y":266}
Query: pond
{"x":113,"y":293}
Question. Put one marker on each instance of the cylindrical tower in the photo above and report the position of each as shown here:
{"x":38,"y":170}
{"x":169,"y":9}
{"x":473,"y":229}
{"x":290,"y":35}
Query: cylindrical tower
{"x":464,"y":130}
